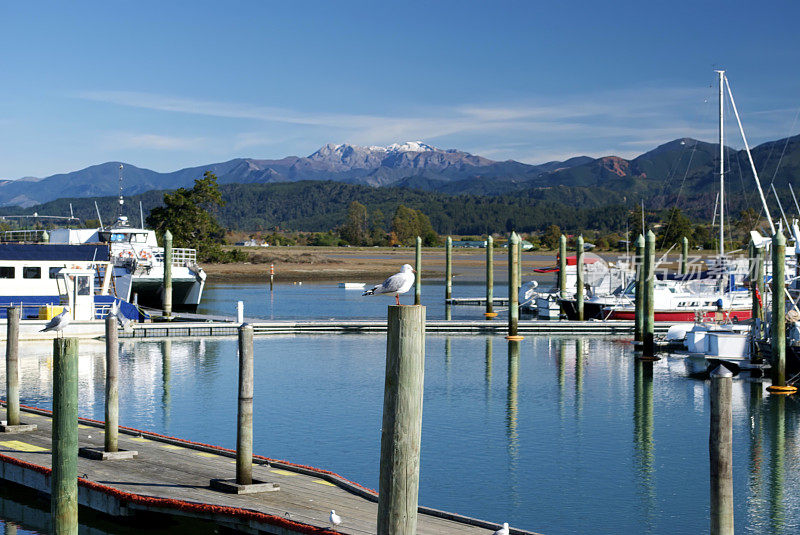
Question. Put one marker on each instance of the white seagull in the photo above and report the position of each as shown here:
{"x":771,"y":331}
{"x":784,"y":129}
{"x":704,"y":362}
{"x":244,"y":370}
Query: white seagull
{"x":58,"y":323}
{"x":503,"y":530}
{"x":397,"y":284}
{"x":335,"y":519}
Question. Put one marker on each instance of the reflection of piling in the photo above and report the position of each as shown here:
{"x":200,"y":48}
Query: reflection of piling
{"x":684,"y":255}
{"x":166,"y":352}
{"x":562,"y":266}
{"x":448,"y":268}
{"x":112,"y":389}
{"x":579,"y":354}
{"x":643,"y":428}
{"x":12,"y":365}
{"x":720,"y":450}
{"x":64,"y":478}
{"x":402,"y":421}
{"x":778,"y":327}
{"x":167,"y":297}
{"x":513,"y":285}
{"x":244,"y":423}
{"x":648,"y":331}
{"x":777,"y":459}
{"x":512,"y":406}
{"x":490,"y":313}
{"x":488,"y":362}
{"x":579,"y":278}
{"x":418,"y":269}
{"x":639,"y":290}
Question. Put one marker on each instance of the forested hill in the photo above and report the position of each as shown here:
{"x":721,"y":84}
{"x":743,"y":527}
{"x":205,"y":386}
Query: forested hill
{"x":319,"y":206}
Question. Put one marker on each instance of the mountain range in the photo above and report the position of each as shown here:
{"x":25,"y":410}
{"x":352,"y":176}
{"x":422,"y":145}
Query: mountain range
{"x":682,"y":169}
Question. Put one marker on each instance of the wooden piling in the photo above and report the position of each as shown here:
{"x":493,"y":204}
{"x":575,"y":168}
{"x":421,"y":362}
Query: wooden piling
{"x":448,"y":268}
{"x":12,"y":366}
{"x":490,"y":313}
{"x":562,"y":266}
{"x":518,"y":265}
{"x":167,"y":296}
{"x":513,"y":295}
{"x":112,"y":387}
{"x":244,"y":421}
{"x":64,"y":478}
{"x":638,"y":319}
{"x":777,"y":331}
{"x":579,"y":280}
{"x":720,"y":451}
{"x":684,"y":255}
{"x":402,"y":421}
{"x":271,"y":276}
{"x":418,"y":269}
{"x":648,"y":341}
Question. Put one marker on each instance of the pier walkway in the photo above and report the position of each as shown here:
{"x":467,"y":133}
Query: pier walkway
{"x":172,"y":476}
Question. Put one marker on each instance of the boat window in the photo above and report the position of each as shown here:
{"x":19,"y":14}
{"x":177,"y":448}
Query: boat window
{"x":139,"y":238}
{"x":6,"y":272}
{"x":117,"y":237}
{"x":83,"y":285}
{"x":30,"y":272}
{"x":54,"y":272}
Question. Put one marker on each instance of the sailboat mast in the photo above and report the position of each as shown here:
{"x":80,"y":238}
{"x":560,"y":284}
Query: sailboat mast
{"x":121,"y":200}
{"x":721,"y":163}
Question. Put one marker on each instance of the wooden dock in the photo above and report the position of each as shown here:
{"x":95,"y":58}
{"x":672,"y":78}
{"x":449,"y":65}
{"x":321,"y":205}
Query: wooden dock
{"x":171,"y":476}
{"x":497,"y":327}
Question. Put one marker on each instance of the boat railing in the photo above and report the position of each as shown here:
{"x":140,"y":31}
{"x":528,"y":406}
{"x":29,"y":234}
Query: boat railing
{"x":22,"y":236}
{"x":180,"y":256}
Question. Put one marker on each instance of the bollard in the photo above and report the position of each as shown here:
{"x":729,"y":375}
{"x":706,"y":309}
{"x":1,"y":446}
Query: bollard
{"x":720,"y":452}
{"x":513,"y":295}
{"x":402,"y":421}
{"x":12,"y":366}
{"x":271,"y":276}
{"x":777,"y":331}
{"x":244,"y":421}
{"x":684,"y":255}
{"x":64,"y":478}
{"x":112,"y":390}
{"x":638,"y":328}
{"x":562,"y":266}
{"x":648,"y":334}
{"x":418,"y":269}
{"x":167,"y":297}
{"x":448,"y":268}
{"x":240,"y":312}
{"x":490,"y":313}
{"x":579,"y":280}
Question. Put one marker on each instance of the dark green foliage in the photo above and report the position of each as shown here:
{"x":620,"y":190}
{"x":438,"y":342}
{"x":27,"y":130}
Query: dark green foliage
{"x":408,"y":223}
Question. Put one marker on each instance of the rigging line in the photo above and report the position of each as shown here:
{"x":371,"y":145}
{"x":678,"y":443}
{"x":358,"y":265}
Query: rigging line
{"x":797,"y":206}
{"x":737,"y":154}
{"x":780,"y":160}
{"x":680,"y":190}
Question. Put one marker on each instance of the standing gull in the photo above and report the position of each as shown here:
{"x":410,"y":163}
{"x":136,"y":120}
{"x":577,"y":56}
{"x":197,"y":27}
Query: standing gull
{"x":58,"y":323}
{"x":502,"y":531}
{"x":397,"y":284}
{"x":335,"y":519}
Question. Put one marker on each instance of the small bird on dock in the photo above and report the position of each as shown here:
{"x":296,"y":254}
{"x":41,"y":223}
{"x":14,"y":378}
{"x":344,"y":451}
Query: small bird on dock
{"x":397,"y":284}
{"x":335,"y":519}
{"x":58,"y":323}
{"x":503,"y":530}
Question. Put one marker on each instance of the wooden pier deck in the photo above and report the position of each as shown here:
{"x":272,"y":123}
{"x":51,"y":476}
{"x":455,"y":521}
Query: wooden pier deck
{"x":172,"y":476}
{"x":260,"y":327}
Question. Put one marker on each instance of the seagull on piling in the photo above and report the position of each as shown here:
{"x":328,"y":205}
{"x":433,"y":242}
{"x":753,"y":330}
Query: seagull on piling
{"x":335,"y":519}
{"x":397,"y":284}
{"x":58,"y":323}
{"x":503,"y":530}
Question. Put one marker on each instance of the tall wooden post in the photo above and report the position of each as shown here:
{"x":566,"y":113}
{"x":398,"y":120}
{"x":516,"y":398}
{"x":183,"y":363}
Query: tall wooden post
{"x":64,"y":478}
{"x":720,"y":452}
{"x":648,"y":341}
{"x":490,"y":313}
{"x":418,"y":269}
{"x":518,"y":265}
{"x":778,"y":328}
{"x":167,"y":297}
{"x":562,"y":266}
{"x":402,"y":421}
{"x":244,"y":421}
{"x":12,"y":366}
{"x":579,"y":281}
{"x":513,"y":295}
{"x":448,"y":268}
{"x":112,"y":388}
{"x":639,"y":290}
{"x":684,"y":255}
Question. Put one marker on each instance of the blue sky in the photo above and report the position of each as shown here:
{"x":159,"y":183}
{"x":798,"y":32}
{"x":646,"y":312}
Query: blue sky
{"x":167,"y":85}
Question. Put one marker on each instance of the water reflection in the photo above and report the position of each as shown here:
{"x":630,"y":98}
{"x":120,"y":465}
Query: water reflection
{"x":511,"y":415}
{"x":562,"y":373}
{"x":488,"y":366}
{"x":776,"y":481}
{"x":643,"y":436}
{"x":166,"y":352}
{"x":580,"y":357}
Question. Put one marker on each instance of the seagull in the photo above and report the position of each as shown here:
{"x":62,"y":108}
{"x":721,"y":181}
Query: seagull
{"x":397,"y":284}
{"x":503,"y":530}
{"x":122,"y":320}
{"x":335,"y":519}
{"x":58,"y":323}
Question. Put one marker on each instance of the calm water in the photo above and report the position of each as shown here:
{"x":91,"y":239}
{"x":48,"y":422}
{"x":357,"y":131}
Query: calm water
{"x":560,"y":435}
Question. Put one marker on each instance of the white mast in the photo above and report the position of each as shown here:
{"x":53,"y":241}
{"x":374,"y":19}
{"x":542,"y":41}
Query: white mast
{"x":121,"y":200}
{"x":721,"y":164}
